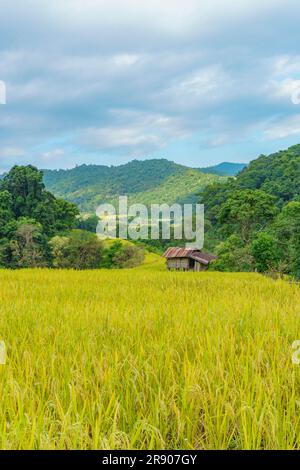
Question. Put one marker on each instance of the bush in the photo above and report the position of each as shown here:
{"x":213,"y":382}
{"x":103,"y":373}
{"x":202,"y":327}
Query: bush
{"x":79,"y":250}
{"x":129,"y":256}
{"x":265,"y":252}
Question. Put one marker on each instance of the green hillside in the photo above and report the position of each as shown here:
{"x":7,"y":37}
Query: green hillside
{"x":253,"y":220}
{"x":149,"y":181}
{"x":277,"y":174}
{"x":182,"y":188}
{"x":224,"y":169}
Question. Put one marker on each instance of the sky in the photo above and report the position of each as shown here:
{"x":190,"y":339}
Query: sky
{"x":196,"y":81}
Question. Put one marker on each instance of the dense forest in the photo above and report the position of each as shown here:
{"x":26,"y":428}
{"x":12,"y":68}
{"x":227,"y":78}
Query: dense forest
{"x":224,"y":169}
{"x":253,"y":220}
{"x":40,"y":230}
{"x":155,"y":181}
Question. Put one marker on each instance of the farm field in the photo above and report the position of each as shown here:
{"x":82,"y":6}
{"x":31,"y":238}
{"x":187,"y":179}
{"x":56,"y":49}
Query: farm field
{"x":147,"y":359}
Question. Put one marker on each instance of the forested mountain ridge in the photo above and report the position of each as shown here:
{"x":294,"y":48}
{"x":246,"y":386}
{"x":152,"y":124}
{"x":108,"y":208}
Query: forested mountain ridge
{"x":253,"y":221}
{"x":39,"y":230}
{"x":224,"y":169}
{"x":277,"y":174}
{"x":146,"y":181}
{"x":134,"y":176}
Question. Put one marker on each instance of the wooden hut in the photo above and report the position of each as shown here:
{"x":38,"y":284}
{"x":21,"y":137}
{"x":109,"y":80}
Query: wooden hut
{"x":187,"y":259}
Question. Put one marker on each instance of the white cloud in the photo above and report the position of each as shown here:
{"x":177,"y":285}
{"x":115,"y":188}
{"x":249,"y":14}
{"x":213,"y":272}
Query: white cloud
{"x":285,"y":91}
{"x":126,"y":60}
{"x":134,"y":132}
{"x":283,"y":128}
{"x":171,"y":16}
{"x":11,"y":152}
{"x":285,"y":65}
{"x":186,"y":68}
{"x":202,"y":87}
{"x":52,"y":154}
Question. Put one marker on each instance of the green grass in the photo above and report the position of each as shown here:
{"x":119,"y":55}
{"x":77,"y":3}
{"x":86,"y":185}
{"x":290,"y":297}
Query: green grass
{"x":148,"y":359}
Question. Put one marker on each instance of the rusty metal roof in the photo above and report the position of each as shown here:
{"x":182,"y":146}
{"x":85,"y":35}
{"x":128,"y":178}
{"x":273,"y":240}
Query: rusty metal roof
{"x":178,"y":252}
{"x":203,"y":258}
{"x":197,"y":255}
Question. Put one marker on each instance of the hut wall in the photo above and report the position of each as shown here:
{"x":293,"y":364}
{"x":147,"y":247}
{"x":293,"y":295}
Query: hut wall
{"x":199,"y":267}
{"x":178,"y":263}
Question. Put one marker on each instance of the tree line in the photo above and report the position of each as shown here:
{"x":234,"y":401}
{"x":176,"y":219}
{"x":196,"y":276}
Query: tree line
{"x":39,"y":230}
{"x":253,"y":221}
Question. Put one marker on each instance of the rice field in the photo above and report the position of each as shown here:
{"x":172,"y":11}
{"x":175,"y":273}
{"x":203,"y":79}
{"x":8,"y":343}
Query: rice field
{"x":146,"y":359}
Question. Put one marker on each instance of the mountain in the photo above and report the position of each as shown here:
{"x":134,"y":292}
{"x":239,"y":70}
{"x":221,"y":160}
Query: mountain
{"x":277,"y":174}
{"x":147,"y":181}
{"x":183,"y":188}
{"x":225,"y":169}
{"x":253,"y":220}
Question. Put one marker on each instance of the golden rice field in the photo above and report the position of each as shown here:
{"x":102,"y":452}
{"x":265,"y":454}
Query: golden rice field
{"x":146,"y":359}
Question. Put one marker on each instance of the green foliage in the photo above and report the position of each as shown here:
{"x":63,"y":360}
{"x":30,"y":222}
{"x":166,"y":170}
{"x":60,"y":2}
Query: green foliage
{"x":28,"y":198}
{"x":286,"y":231}
{"x":87,"y":222}
{"x":122,"y":255}
{"x":110,"y":253}
{"x":58,"y":246}
{"x":37,"y":229}
{"x":129,"y":256}
{"x":261,"y":208}
{"x":28,"y":245}
{"x":246,"y":212}
{"x":213,"y":196}
{"x":29,"y":215}
{"x":6,"y":214}
{"x":180,"y":188}
{"x":78,"y":250}
{"x":233,"y":255}
{"x":145,"y":182}
{"x":265,"y":252}
{"x":25,"y":185}
{"x":5,"y":253}
{"x":64,"y":215}
{"x":224,"y":169}
{"x":277,"y":174}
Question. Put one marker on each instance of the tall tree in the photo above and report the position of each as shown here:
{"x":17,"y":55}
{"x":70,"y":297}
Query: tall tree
{"x":29,"y":198}
{"x":28,"y":245}
{"x":245,"y":212}
{"x":25,"y":185}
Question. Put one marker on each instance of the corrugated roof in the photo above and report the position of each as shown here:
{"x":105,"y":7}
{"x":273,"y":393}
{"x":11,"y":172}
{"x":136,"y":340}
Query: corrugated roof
{"x":178,"y":252}
{"x":197,"y":255}
{"x":203,"y":258}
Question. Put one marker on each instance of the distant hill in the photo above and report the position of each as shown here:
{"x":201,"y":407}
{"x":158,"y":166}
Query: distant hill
{"x":147,"y":181}
{"x":277,"y":174}
{"x":256,"y":216}
{"x":225,"y":169}
{"x":183,"y":188}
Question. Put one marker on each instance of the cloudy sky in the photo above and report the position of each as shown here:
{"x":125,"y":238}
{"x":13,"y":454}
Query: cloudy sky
{"x":106,"y":81}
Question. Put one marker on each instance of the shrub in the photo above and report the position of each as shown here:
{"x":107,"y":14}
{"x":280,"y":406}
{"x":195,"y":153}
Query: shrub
{"x":79,"y":250}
